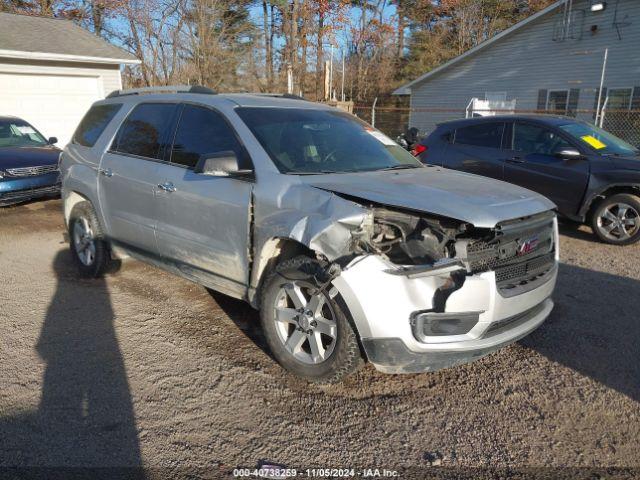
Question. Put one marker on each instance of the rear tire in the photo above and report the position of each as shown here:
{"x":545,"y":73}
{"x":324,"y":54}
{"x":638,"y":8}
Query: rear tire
{"x":89,"y":250}
{"x":616,"y":219}
{"x":306,"y":329}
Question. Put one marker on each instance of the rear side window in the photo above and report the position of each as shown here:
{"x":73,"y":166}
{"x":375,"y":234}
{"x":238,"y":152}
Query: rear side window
{"x":144,"y":132}
{"x":481,"y":135}
{"x":200,"y":131}
{"x":93,"y":124}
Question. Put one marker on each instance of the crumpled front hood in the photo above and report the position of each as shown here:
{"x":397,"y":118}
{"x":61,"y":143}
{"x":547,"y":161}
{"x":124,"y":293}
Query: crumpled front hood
{"x":481,"y":201}
{"x":17,"y":157}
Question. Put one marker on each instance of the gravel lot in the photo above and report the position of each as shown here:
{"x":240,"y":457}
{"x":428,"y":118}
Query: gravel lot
{"x":144,"y":368}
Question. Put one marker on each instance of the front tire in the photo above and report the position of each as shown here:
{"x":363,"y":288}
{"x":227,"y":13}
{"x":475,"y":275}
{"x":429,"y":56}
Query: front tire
{"x":89,"y":250}
{"x":616,"y":219}
{"x":306,"y":329}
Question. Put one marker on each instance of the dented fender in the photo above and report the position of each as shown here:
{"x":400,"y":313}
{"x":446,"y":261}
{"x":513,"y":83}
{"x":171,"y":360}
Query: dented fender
{"x":292,"y":210}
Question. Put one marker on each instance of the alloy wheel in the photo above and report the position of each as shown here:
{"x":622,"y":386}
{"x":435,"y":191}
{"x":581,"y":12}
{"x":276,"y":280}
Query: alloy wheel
{"x":619,"y":221}
{"x":305,"y":322}
{"x":84,"y":242}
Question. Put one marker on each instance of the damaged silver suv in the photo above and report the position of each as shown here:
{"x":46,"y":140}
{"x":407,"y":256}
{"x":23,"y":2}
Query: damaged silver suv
{"x":350,"y":248}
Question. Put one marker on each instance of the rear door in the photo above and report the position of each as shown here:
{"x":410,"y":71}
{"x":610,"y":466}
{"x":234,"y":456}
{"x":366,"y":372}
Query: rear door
{"x":531,"y":163}
{"x":203,"y":221}
{"x":477,"y":148}
{"x":129,"y":175}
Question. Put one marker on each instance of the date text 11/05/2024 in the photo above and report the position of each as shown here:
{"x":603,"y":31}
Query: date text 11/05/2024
{"x":275,"y":472}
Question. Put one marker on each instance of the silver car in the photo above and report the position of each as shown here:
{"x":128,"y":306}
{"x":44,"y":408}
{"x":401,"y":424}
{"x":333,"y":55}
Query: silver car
{"x":349,"y":247}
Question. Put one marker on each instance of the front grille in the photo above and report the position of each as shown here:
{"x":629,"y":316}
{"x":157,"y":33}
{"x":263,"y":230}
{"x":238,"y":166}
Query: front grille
{"x":525,"y":270}
{"x":32,"y":171}
{"x":518,"y":252}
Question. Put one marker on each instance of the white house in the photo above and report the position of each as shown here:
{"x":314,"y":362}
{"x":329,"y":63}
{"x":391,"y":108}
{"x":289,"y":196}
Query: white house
{"x":52,"y":70}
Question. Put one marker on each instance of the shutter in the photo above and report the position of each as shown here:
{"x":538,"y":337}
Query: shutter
{"x":572,"y":107}
{"x":635,"y":99}
{"x":542,"y":100}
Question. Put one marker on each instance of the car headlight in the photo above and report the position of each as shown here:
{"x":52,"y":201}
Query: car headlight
{"x":2,"y":174}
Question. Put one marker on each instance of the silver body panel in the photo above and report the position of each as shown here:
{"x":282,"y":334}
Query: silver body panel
{"x":204,"y":223}
{"x":127,"y":193}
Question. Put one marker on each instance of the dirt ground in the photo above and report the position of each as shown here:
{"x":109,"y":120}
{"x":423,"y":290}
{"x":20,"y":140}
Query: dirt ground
{"x":144,"y":368}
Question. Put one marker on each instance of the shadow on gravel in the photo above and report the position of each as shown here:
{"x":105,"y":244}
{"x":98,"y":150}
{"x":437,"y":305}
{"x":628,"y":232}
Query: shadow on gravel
{"x":244,"y":317}
{"x":594,"y":328}
{"x":573,"y":230}
{"x":85,"y":417}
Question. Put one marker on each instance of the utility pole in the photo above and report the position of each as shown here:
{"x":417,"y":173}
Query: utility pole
{"x":604,"y":68}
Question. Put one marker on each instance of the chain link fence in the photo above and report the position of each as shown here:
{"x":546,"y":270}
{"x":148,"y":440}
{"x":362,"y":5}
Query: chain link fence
{"x":624,"y":124}
{"x":393,"y":121}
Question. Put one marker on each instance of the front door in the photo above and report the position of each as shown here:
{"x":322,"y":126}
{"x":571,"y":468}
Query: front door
{"x":129,"y":176}
{"x":532,"y":163}
{"x":203,"y":221}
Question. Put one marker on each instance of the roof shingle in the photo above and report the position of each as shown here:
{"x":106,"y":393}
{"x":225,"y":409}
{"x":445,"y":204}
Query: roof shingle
{"x":32,"y":34}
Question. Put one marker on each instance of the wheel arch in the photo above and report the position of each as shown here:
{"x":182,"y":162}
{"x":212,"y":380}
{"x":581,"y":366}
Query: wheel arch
{"x":273,"y":251}
{"x":279,"y":249}
{"x":71,"y":199}
{"x":79,"y":183}
{"x":594,"y":201}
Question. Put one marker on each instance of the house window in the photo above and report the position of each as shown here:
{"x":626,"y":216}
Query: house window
{"x":557,"y":101}
{"x":620,"y":98}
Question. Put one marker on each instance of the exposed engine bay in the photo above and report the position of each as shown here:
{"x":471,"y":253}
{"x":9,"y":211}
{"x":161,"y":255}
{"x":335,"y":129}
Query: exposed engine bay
{"x":406,"y":238}
{"x":519,"y":250}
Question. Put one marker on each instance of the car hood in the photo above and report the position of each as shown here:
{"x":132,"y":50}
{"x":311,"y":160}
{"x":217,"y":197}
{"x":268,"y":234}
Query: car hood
{"x":16,"y":157}
{"x":481,"y":201}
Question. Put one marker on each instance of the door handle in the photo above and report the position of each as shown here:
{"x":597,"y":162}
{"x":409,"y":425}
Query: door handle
{"x":106,"y":172}
{"x":167,"y":187}
{"x":515,"y":160}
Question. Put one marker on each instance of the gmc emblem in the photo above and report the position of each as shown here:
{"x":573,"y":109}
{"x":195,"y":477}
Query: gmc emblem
{"x":528,"y":246}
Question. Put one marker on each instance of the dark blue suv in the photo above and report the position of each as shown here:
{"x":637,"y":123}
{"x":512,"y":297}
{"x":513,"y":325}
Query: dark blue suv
{"x":591,"y":175}
{"x":28,"y":163}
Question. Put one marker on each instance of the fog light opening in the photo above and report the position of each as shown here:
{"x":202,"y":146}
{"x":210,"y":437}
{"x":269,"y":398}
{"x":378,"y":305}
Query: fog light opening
{"x":431,"y":324}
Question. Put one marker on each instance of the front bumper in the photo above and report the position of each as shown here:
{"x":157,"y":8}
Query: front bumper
{"x":383,"y":304}
{"x":391,"y":355}
{"x":15,"y":190}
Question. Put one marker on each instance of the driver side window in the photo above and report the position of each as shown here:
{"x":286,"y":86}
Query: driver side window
{"x":202,"y":131}
{"x":529,"y":138}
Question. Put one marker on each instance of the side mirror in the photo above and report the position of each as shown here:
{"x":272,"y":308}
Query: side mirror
{"x":568,"y":154}
{"x":219,"y":164}
{"x":52,"y":140}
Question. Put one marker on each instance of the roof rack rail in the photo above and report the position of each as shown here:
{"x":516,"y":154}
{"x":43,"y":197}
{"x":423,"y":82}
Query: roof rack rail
{"x":163,"y":89}
{"x":281,"y":95}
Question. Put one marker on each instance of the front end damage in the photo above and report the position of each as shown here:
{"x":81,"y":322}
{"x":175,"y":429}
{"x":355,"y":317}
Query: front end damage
{"x":427,"y":292}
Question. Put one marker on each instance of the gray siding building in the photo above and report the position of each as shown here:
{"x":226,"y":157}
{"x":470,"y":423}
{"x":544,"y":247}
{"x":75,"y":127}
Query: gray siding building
{"x":552,"y":61}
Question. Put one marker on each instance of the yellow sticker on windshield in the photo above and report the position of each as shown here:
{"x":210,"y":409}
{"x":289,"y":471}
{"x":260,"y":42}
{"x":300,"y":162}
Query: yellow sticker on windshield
{"x":594,"y":142}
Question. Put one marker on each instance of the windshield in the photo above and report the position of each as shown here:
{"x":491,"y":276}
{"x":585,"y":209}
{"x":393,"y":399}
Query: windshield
{"x":18,"y":133}
{"x":599,"y":139}
{"x":305,"y":141}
